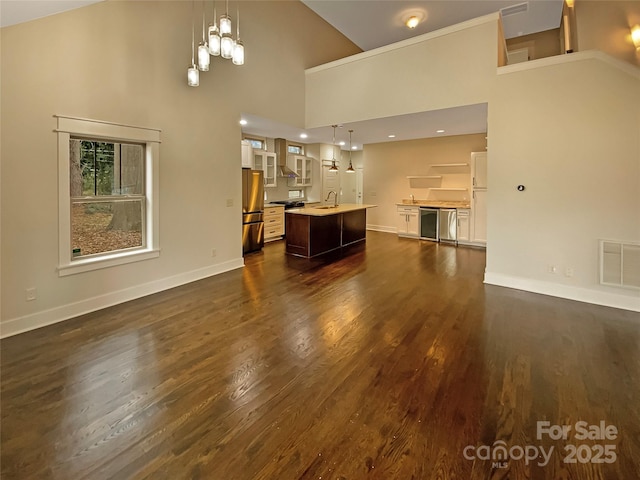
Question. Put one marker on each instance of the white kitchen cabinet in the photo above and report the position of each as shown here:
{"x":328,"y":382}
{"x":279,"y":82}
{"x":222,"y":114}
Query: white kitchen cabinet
{"x":267,"y":162}
{"x":479,"y":170}
{"x":273,"y":222}
{"x":303,"y":166}
{"x":408,"y":221}
{"x":247,"y":154}
{"x":464,"y":225}
{"x":479,"y":217}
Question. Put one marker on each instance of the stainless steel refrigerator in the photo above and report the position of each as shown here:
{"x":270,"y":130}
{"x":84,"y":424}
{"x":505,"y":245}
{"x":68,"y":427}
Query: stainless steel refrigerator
{"x":252,"y":210}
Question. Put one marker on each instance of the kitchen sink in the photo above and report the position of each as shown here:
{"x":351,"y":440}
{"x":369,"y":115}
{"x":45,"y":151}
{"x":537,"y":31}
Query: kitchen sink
{"x":324,"y":207}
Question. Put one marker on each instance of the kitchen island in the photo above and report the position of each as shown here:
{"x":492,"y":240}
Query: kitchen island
{"x":313,"y":231}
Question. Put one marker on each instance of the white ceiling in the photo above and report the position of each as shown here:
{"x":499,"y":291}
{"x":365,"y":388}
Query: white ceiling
{"x":454,"y":121}
{"x":375,"y":23}
{"x":369,"y":24}
{"x":19,"y":11}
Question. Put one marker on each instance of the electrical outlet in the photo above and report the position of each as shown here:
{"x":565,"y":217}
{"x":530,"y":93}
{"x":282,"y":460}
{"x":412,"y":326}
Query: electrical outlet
{"x":31,"y":294}
{"x":552,"y":269}
{"x":213,"y":252}
{"x":568,"y":272}
{"x":229,"y":202}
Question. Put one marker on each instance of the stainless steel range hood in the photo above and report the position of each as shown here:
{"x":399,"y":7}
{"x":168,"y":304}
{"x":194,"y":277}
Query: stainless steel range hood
{"x":282,"y":152}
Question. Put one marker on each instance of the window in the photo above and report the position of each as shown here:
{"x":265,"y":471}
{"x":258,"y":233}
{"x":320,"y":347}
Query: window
{"x":296,"y":193}
{"x":108,"y":206}
{"x":295,"y":149}
{"x":256,"y":143}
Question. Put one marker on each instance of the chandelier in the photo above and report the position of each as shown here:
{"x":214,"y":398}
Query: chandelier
{"x":216,"y":42}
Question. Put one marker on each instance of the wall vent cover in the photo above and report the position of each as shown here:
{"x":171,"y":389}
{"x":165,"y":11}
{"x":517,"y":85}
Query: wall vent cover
{"x":620,"y":263}
{"x":513,"y":9}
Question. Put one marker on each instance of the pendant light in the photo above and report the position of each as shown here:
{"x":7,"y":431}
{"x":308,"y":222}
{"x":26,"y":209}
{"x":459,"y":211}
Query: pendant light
{"x":238,"y":48}
{"x":350,"y":169}
{"x":193,"y":75}
{"x":203,"y":49}
{"x":226,"y":41}
{"x":333,"y":167}
{"x":214,"y":35}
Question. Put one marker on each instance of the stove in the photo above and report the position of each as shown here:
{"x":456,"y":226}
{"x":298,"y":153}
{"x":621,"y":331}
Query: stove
{"x":289,"y":203}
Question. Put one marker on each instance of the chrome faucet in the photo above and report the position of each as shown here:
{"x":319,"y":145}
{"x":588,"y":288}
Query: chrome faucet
{"x":413,"y":199}
{"x":335,"y":198}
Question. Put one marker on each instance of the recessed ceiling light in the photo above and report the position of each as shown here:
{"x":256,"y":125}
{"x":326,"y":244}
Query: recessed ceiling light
{"x":354,"y":147}
{"x":439,"y":131}
{"x":392,"y":136}
{"x":341,"y":144}
{"x":303,"y":135}
{"x":412,"y":22}
{"x":243,"y":122}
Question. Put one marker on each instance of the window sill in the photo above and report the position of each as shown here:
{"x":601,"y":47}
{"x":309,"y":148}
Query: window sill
{"x":89,"y":264}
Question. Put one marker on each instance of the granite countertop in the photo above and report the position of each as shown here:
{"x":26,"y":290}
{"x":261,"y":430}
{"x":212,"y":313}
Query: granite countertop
{"x":323,"y":211}
{"x":435,"y":203}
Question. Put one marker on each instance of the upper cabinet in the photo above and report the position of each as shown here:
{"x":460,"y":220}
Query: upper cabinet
{"x":267,"y":162}
{"x":303,"y":166}
{"x":247,"y":155}
{"x":479,"y":170}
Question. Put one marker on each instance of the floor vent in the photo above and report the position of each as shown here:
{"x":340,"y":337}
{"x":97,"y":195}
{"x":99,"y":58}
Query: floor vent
{"x":513,"y":9}
{"x":620,"y":264}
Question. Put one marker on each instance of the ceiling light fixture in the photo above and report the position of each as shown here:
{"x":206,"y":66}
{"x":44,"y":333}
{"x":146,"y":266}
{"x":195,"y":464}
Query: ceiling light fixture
{"x":392,"y":136}
{"x":221,"y":43}
{"x":214,"y":35}
{"x":238,"y":48}
{"x":193,"y":75}
{"x":439,"y":131}
{"x":635,"y":36}
{"x":350,"y":169}
{"x":412,"y":22}
{"x":203,"y":48}
{"x":303,"y":135}
{"x":243,"y":122}
{"x":333,"y":167}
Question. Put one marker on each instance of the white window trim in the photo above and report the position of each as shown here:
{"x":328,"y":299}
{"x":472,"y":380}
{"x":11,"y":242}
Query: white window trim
{"x":72,"y":126}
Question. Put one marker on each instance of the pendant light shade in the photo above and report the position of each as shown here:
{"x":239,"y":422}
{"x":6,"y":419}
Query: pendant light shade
{"x":333,"y":167}
{"x":203,"y":48}
{"x":193,"y":75}
{"x":238,"y":48}
{"x":226,"y":46}
{"x":238,"y":53}
{"x":203,"y":57}
{"x":214,"y":40}
{"x":225,"y":24}
{"x":214,"y":35}
{"x":350,"y":169}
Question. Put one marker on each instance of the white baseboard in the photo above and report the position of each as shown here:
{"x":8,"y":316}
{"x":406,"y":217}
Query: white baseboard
{"x":381,"y":228}
{"x":607,"y":299}
{"x":18,"y":325}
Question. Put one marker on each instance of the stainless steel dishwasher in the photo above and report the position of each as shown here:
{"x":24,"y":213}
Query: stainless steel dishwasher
{"x":448,"y":224}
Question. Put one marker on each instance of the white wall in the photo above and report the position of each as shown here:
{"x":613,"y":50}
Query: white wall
{"x":569,"y":132}
{"x":388,"y":164}
{"x":125,"y":62}
{"x":567,"y":127}
{"x":451,"y":67}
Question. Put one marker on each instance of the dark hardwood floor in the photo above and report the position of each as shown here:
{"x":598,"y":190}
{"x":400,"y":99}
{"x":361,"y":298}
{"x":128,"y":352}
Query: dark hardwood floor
{"x":393,"y":362}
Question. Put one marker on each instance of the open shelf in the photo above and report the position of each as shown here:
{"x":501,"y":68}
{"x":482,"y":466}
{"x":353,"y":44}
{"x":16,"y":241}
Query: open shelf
{"x":434,"y":177}
{"x":450,"y":189}
{"x":450,"y":165}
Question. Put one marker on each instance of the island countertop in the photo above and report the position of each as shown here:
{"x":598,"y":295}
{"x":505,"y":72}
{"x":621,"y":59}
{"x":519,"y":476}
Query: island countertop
{"x":325,"y":210}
